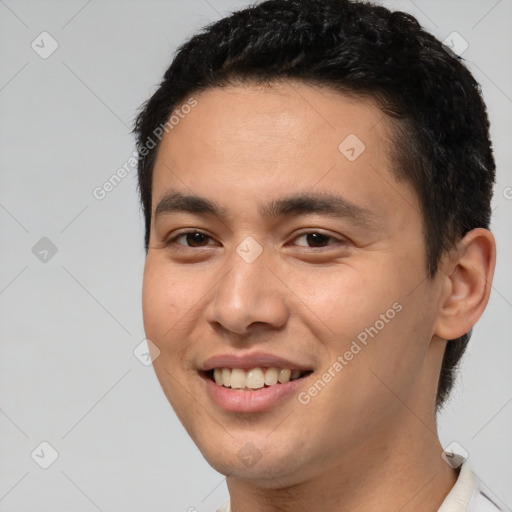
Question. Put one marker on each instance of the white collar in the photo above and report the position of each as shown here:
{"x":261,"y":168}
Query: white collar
{"x":460,"y":496}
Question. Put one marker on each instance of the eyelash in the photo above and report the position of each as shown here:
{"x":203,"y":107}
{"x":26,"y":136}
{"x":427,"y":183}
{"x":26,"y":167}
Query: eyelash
{"x":172,"y":241}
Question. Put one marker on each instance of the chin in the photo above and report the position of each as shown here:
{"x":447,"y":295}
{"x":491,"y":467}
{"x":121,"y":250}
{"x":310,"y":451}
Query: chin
{"x":254,"y":458}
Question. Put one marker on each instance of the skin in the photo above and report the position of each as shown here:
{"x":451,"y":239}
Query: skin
{"x":368,"y":441}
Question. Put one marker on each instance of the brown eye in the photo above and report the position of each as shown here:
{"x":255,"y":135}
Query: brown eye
{"x":316,"y":239}
{"x":192,"y":238}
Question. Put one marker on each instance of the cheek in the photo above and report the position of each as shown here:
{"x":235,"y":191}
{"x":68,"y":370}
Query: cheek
{"x":392,"y":359}
{"x":346,"y":299}
{"x":162,"y":308}
{"x":369,"y":309}
{"x":162,"y":301}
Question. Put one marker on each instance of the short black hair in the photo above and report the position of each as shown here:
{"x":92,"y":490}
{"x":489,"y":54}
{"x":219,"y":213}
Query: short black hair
{"x":441,"y":142}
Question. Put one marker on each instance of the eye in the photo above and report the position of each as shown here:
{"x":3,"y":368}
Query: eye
{"x":194,"y":237}
{"x":317,"y":239}
{"x":197,"y":239}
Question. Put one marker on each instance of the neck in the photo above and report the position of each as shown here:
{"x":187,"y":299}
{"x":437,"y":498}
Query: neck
{"x":405,"y":473}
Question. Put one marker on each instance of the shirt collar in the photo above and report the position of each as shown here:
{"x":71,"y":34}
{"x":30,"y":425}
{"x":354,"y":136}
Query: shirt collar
{"x":460,"y":496}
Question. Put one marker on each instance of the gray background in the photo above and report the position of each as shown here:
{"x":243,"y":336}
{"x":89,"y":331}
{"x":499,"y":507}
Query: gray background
{"x":69,"y":325}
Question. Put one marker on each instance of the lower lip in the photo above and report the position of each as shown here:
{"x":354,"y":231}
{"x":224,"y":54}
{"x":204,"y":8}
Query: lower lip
{"x":236,"y":400}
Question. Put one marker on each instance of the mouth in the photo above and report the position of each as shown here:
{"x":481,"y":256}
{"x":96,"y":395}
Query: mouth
{"x":253,"y":379}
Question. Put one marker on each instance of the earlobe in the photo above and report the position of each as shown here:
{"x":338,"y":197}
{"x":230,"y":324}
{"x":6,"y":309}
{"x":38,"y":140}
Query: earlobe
{"x":467,"y":284}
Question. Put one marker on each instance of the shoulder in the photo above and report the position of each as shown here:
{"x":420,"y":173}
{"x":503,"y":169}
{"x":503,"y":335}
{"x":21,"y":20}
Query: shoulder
{"x":483,"y":500}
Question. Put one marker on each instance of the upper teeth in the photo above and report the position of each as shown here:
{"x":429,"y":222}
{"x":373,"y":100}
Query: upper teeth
{"x":255,"y":378}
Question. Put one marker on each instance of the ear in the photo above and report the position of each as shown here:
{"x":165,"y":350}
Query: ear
{"x":468,"y":273}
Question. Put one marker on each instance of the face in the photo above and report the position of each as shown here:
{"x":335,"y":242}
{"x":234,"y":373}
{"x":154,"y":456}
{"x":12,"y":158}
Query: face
{"x":297,"y":256}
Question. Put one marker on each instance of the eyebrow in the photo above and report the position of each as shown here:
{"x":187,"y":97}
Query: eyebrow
{"x":323,"y":203}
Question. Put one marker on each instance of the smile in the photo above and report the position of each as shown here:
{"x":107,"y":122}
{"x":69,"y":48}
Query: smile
{"x":254,"y":378}
{"x":254,"y":389}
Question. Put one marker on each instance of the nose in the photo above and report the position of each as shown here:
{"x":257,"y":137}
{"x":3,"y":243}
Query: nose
{"x":249,"y":298}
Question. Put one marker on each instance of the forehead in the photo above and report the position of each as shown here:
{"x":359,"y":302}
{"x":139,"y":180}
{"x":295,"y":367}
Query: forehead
{"x":282,"y":115}
{"x":244,"y":141}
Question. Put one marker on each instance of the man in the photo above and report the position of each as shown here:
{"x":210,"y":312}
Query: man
{"x":316,"y":179}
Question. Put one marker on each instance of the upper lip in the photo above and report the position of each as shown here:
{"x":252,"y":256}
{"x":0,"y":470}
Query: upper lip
{"x":251,"y":360}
